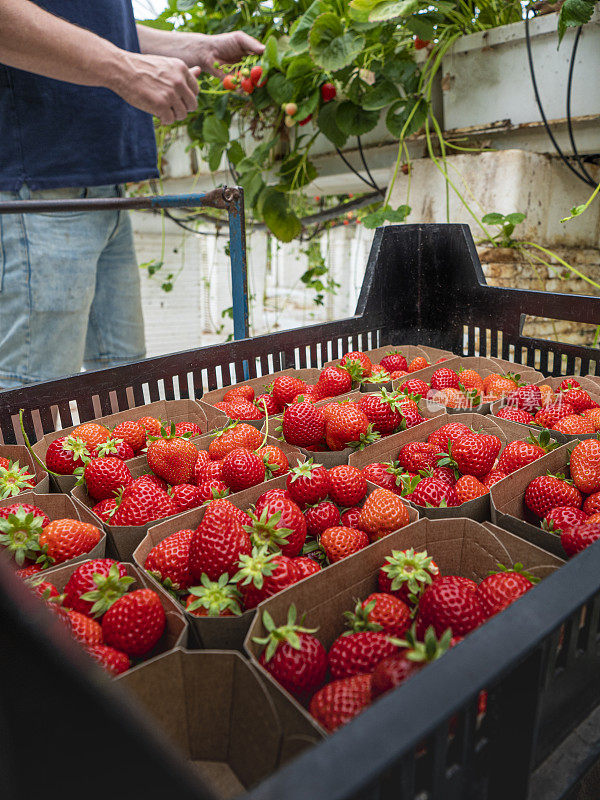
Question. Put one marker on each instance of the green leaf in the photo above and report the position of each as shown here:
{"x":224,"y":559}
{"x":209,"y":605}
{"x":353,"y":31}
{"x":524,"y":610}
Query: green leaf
{"x":278,"y":217}
{"x":299,"y":39}
{"x":493,"y":219}
{"x":355,"y":121}
{"x":328,"y":125}
{"x":271,"y":54}
{"x":215,"y":154}
{"x":574,"y":13}
{"x":392,"y":9}
{"x":380,"y":95}
{"x":516,"y":218}
{"x":422,"y":26}
{"x":215,"y":131}
{"x":308,"y":105}
{"x":399,"y":70}
{"x":252,"y":183}
{"x":359,"y":10}
{"x":235,"y":153}
{"x":297,"y":171}
{"x":331,"y":47}
{"x":398,"y":115}
{"x":280,"y":89}
{"x":299,"y":67}
{"x":386,"y":214}
{"x":185,"y":5}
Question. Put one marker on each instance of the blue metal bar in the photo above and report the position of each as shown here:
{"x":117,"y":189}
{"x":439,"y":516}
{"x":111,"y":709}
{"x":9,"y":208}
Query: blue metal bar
{"x":239,"y":274}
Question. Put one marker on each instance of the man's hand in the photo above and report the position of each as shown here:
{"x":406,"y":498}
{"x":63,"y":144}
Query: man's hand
{"x":165,"y":87}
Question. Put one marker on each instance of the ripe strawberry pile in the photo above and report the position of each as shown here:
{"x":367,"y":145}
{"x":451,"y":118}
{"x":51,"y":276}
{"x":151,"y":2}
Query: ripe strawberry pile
{"x":456,"y":464}
{"x":465,"y":389}
{"x":570,"y":505}
{"x":112,"y":623}
{"x":182,"y":477}
{"x":569,"y":410}
{"x":354,"y":424}
{"x":383,"y":647}
{"x":235,"y":559}
{"x":69,"y":454}
{"x":14,"y":479}
{"x":36,"y":543}
{"x":355,"y":368}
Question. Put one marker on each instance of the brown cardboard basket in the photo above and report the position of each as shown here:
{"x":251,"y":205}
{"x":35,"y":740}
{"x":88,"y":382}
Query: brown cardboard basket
{"x":387,"y":450}
{"x":507,"y":500}
{"x":18,"y":452}
{"x":458,"y":546}
{"x":176,"y":629}
{"x":587,"y":383}
{"x":214,"y":707}
{"x":481,"y":365}
{"x":166,"y":410}
{"x":61,"y":506}
{"x":220,"y":632}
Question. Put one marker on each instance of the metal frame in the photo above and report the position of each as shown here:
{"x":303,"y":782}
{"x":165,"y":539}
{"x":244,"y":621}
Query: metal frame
{"x":539,"y":660}
{"x":227,"y":199}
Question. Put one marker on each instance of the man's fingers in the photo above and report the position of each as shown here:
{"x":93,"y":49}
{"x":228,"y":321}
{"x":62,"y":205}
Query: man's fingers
{"x":192,"y":76}
{"x":167,"y":117}
{"x":250,"y":44}
{"x":180,"y":110}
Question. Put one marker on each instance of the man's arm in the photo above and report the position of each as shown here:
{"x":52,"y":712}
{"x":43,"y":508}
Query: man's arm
{"x":198,"y":49}
{"x":34,"y":40}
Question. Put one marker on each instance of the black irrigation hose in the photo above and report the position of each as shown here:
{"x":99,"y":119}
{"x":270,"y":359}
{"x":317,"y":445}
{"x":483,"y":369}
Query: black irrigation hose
{"x":562,"y":156}
{"x":582,"y":166}
{"x":358,"y":175}
{"x":365,"y":165}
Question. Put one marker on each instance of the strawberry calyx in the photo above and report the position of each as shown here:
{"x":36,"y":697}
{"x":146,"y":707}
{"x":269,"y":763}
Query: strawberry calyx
{"x":449,"y":461}
{"x":355,"y":369}
{"x":14,"y":479}
{"x":20,"y":535}
{"x":518,"y":568}
{"x":303,"y":470}
{"x":415,"y":570}
{"x":215,"y":596}
{"x":216,"y":434}
{"x":108,"y":448}
{"x":543,"y":440}
{"x":168,"y":433}
{"x":284,"y":633}
{"x":561,"y":477}
{"x":409,"y":484}
{"x":109,"y":589}
{"x":370,"y":436}
{"x":430,"y":649}
{"x":377,"y":377}
{"x":313,"y":549}
{"x":57,"y":599}
{"x":264,"y":530}
{"x":254,"y":568}
{"x":358,"y":620}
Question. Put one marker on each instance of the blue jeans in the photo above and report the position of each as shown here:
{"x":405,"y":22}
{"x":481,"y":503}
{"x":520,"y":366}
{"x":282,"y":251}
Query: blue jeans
{"x":69,"y":289}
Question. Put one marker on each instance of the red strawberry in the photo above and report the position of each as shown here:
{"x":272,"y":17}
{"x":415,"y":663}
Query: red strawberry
{"x":382,"y":512}
{"x":348,"y":485}
{"x":114,"y":661}
{"x":520,"y":453}
{"x":306,"y":566}
{"x":82,"y":628}
{"x":569,"y":383}
{"x":303,"y":424}
{"x":410,"y":411}
{"x":242,"y":469}
{"x":45,"y":590}
{"x":106,"y":509}
{"x":263,"y":574}
{"x":320,"y":517}
{"x":244,"y":410}
{"x":414,"y":386}
{"x":360,"y":652}
{"x":416,"y":456}
{"x":267,"y":404}
{"x":135,"y":622}
{"x":548,"y":491}
{"x":515,"y":415}
{"x":168,"y":561}
{"x":499,"y":590}
{"x":218,"y":542}
{"x":281,"y":526}
{"x":144,"y":505}
{"x":28,"y":508}
{"x":242,"y":392}
{"x":585,"y":466}
{"x":444,"y":474}
{"x":308,"y":483}
{"x":394,"y":361}
{"x":151,"y":425}
{"x":66,"y":454}
{"x":292,"y":655}
{"x":469,"y":488}
{"x":285,"y":388}
{"x":385,"y":475}
{"x":449,"y":604}
{"x":333,"y":381}
{"x":444,"y":378}
{"x":551,"y":415}
{"x":339,"y":542}
{"x":406,"y":574}
{"x":577,"y":538}
{"x":208,"y":471}
{"x":214,"y":598}
{"x":63,"y":539}
{"x":395,"y":669}
{"x":94,"y":584}
{"x":358,"y":364}
{"x":148,"y":480}
{"x":351,"y":517}
{"x":527,"y":398}
{"x":27,"y":572}
{"x":105,"y":476}
{"x":578,"y":398}
{"x":274,"y":459}
{"x":186,"y":496}
{"x":269,"y":495}
{"x":574,"y":425}
{"x":448,"y":434}
{"x":591,"y":504}
{"x":493,"y":476}
{"x":475,"y":454}
{"x":203,"y":458}
{"x":347,"y":425}
{"x":132,"y":433}
{"x":382,"y":410}
{"x":432,"y":492}
{"x":339,"y":701}
{"x":563,"y":517}
{"x":172,"y":458}
{"x":213,"y":489}
{"x":381,"y":611}
{"x":193,"y":428}
{"x":114,"y":447}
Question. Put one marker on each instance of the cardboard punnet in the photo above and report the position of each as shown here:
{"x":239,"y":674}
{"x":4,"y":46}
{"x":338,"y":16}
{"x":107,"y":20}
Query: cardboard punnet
{"x":61,"y":506}
{"x":587,"y":384}
{"x":409,"y":351}
{"x":215,"y":708}
{"x":176,"y":629}
{"x":481,"y":365}
{"x":166,"y":410}
{"x":387,"y":450}
{"x":332,"y":458}
{"x":458,"y":546}
{"x":221,"y":632}
{"x":18,"y":452}
{"x":507,"y":499}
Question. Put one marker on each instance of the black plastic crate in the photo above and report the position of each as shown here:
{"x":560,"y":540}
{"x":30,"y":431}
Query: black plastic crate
{"x":539,"y":660}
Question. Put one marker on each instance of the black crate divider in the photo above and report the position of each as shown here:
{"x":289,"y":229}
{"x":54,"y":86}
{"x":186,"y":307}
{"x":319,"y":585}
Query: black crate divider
{"x":539,"y":661}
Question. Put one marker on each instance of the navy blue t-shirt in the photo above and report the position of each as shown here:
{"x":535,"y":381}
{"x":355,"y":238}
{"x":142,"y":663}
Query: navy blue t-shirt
{"x":55,"y":134}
